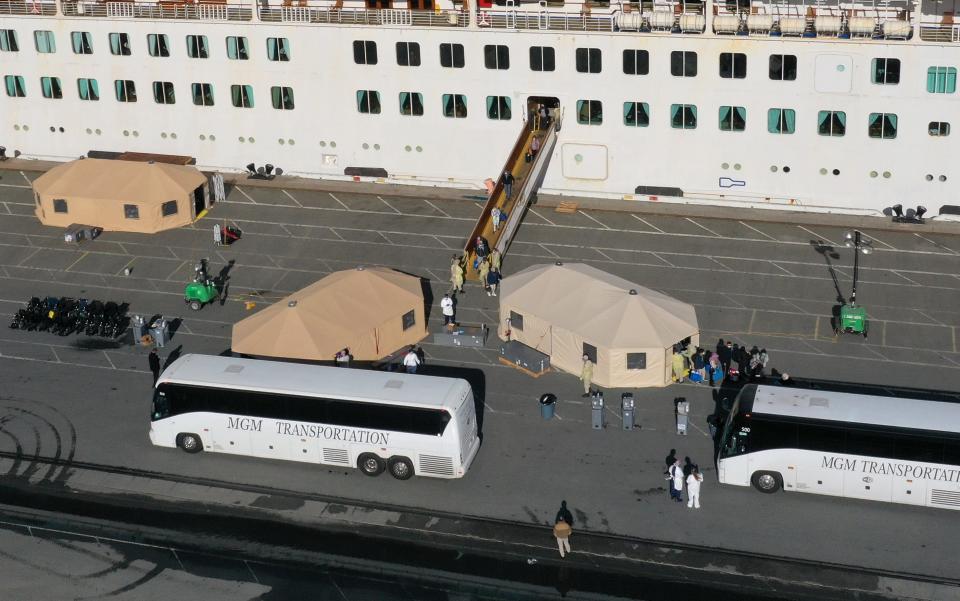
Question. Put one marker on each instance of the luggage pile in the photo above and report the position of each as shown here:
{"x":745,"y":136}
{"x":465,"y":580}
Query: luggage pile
{"x":64,"y":316}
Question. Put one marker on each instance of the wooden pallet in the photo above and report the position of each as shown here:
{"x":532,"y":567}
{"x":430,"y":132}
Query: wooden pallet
{"x":532,"y":374}
{"x":567,"y":207}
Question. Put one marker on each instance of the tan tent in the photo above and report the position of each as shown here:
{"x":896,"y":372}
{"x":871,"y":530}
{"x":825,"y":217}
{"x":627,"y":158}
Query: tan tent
{"x":372,"y":311}
{"x":123,"y":196}
{"x":568,"y":310}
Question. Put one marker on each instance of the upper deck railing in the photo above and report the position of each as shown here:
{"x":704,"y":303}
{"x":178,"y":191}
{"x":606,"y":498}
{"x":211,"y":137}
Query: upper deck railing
{"x":865,"y":20}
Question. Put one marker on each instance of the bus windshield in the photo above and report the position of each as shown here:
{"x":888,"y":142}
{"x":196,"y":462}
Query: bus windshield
{"x":736,"y":432}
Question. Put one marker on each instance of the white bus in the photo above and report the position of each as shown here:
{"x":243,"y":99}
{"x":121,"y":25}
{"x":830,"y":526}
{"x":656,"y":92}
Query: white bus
{"x":371,"y":420}
{"x":866,"y":446}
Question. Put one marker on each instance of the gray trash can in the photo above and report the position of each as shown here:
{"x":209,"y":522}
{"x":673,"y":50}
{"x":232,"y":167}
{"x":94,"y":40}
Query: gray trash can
{"x":548,"y":405}
{"x":160,"y":330}
{"x":139,"y":326}
{"x":596,"y":410}
{"x":626,"y":410}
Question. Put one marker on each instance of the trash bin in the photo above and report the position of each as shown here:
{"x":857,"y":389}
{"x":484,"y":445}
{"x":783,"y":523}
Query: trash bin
{"x":160,"y":330}
{"x":548,"y":405}
{"x":626,"y":410}
{"x":683,"y":415}
{"x":596,"y":407}
{"x":139,"y":327}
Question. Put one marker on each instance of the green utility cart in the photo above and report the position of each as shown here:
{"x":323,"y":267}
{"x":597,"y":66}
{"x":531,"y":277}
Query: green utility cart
{"x":202,"y":289}
{"x":853,"y":320}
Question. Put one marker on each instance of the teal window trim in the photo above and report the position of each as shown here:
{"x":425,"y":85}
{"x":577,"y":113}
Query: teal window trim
{"x":636,"y":114}
{"x":45,"y":42}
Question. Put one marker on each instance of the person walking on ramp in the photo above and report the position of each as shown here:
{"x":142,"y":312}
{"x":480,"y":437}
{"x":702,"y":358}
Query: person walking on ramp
{"x":562,"y":531}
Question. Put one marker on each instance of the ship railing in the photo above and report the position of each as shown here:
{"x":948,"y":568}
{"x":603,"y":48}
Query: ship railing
{"x":300,"y":12}
{"x":202,"y":11}
{"x":940,"y":32}
{"x":10,"y":7}
{"x":555,"y":21}
{"x":888,"y":20}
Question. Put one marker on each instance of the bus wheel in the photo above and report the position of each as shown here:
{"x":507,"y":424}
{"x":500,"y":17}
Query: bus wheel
{"x":190,"y":443}
{"x":401,"y":468}
{"x":766,"y":482}
{"x":370,"y":464}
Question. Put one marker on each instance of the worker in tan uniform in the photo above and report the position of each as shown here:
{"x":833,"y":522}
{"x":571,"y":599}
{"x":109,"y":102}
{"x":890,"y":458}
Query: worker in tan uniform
{"x":586,"y":375}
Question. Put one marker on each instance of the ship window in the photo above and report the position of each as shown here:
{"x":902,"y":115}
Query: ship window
{"x":451,"y":56}
{"x":242,"y":96}
{"x":589,"y":112}
{"x":158,"y":44}
{"x":939,"y":128}
{"x":368,"y":101}
{"x":15,"y":86}
{"x":282,"y":98}
{"x":169,"y":208}
{"x":237,"y":48}
{"x":455,"y":106}
{"x":163,"y":92}
{"x":781,"y":121}
{"x":197,"y":46}
{"x":542,"y":58}
{"x":408,"y":54}
{"x":364,"y":52}
{"x":59,"y":205}
{"x":202,"y":94}
{"x":119,"y":44}
{"x":942,"y":80}
{"x":883,"y":125}
{"x":683,"y":116}
{"x":588,"y":60}
{"x":831,"y":123}
{"x":8,"y":41}
{"x":131,"y":211}
{"x":82,"y":42}
{"x":411,"y":104}
{"x":636,"y":62}
{"x":278,"y":49}
{"x":733,"y":118}
{"x":783,"y":67}
{"x":496,"y":56}
{"x":126,"y":90}
{"x":636,"y":114}
{"x":885,"y":71}
{"x":88,"y":89}
{"x":498,"y":108}
{"x":733,"y":65}
{"x":51,"y":87}
{"x":683,"y":64}
{"x":45,"y":42}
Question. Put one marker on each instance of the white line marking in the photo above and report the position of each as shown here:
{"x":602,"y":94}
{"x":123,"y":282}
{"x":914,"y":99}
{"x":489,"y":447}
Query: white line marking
{"x":384,"y":236}
{"x":55,"y":355}
{"x":542,"y":217}
{"x":704,"y":227}
{"x":392,"y":208}
{"x":875,"y":239}
{"x":937,"y":244}
{"x":81,"y":258}
{"x":904,"y":277}
{"x":594,"y":219}
{"x":29,"y":181}
{"x":605,"y":255}
{"x":15,"y":186}
{"x":931,"y":318}
{"x":548,"y":250}
{"x":815,"y":234}
{"x":662,"y":259}
{"x":257,"y":580}
{"x":442,"y":243}
{"x":342,"y":204}
{"x":745,"y":224}
{"x":240,"y":190}
{"x":109,"y":360}
{"x":641,"y":219}
{"x":27,"y":258}
{"x":442,"y":212}
{"x":780,"y":268}
{"x":337,"y":234}
{"x":290,"y":196}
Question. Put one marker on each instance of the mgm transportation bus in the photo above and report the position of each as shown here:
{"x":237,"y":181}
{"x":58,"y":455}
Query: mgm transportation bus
{"x":866,"y":446}
{"x":375,"y":421}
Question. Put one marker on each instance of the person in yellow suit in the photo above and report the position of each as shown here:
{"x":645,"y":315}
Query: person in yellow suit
{"x":586,"y":375}
{"x":679,"y":367}
{"x":456,"y":274}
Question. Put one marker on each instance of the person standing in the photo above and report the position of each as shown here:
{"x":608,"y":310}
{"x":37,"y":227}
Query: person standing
{"x":411,"y":361}
{"x":670,"y":459}
{"x":534,"y":146}
{"x":544,"y":116}
{"x":586,"y":375}
{"x":693,"y":488}
{"x":726,"y":356}
{"x":507,"y":180}
{"x":482,"y":249}
{"x":679,"y":367}
{"x":154,"y":360}
{"x":456,"y":274}
{"x":217,"y":235}
{"x":562,"y":531}
{"x":495,"y":259}
{"x":484,"y":270}
{"x":493,"y":278}
{"x":446,"y":307}
{"x":676,"y":482}
{"x":496,"y":215}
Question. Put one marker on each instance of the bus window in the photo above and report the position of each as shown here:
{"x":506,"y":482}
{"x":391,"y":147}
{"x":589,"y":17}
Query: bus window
{"x":919,"y":448}
{"x":863,"y":442}
{"x":821,"y":438}
{"x":161,"y":406}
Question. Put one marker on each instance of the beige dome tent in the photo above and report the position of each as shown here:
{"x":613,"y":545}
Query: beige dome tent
{"x":372,"y":311}
{"x":122,"y":196}
{"x":568,"y":310}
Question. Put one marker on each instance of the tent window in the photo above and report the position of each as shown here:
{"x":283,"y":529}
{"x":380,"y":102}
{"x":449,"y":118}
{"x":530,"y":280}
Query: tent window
{"x":590,"y":351}
{"x":168,"y":208}
{"x":516,"y":321}
{"x":409,"y":319}
{"x":131,"y":211}
{"x":59,"y":205}
{"x":636,"y":361}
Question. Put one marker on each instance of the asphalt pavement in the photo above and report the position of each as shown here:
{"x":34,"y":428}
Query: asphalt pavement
{"x":770,"y":284}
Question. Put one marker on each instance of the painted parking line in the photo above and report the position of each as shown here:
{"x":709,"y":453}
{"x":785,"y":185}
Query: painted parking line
{"x":290,"y":196}
{"x":250,"y":198}
{"x":937,"y":244}
{"x":819,"y":237}
{"x":647,"y":223}
{"x":762,"y":233}
{"x":700,"y":225}
{"x":22,"y":187}
{"x":391,"y":207}
{"x":342,"y":204}
{"x":29,"y":181}
{"x":541,"y":216}
{"x":594,"y":219}
{"x":442,"y":212}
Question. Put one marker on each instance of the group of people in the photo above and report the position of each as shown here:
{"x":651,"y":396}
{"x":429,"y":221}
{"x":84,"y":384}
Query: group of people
{"x":487,"y":265}
{"x":683,"y":474}
{"x":728,"y":360}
